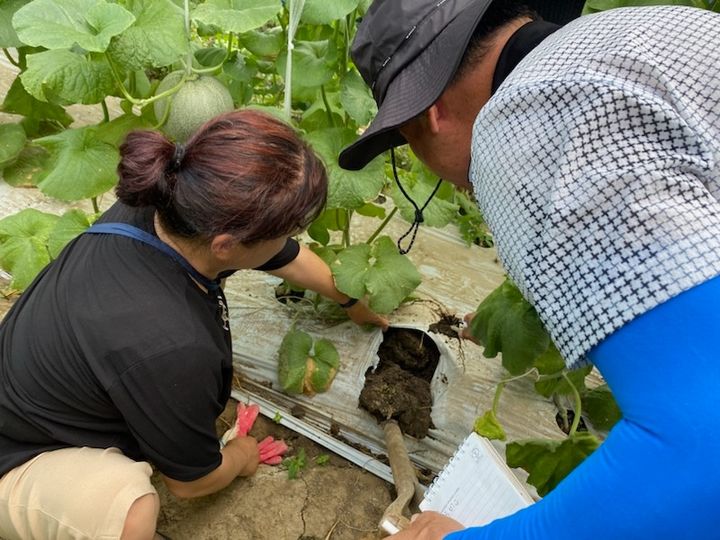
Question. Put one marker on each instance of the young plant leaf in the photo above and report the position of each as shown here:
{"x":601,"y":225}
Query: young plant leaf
{"x":66,"y":77}
{"x":82,"y":166}
{"x":356,"y":98}
{"x":156,"y":38}
{"x":266,"y":43}
{"x":547,"y":461}
{"x":376,"y":270}
{"x":505,"y":322}
{"x":347,"y":189}
{"x":29,"y":167}
{"x":23,"y":244}
{"x":61,"y":24}
{"x":8,"y":36}
{"x":295,"y":464}
{"x":304,"y":370}
{"x":37,"y":113}
{"x":324,"y":12}
{"x":236,"y":16}
{"x":12,"y":142}
{"x":312,"y":63}
{"x":70,"y":225}
{"x":438,"y":213}
{"x":600,"y":408}
{"x":488,"y":426}
{"x":322,"y":459}
{"x":551,"y":365}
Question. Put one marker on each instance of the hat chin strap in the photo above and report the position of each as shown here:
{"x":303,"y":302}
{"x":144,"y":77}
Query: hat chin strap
{"x":419,"y":218}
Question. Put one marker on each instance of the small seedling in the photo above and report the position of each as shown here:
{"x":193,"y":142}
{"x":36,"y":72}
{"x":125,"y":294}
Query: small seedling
{"x":278,"y":417}
{"x":295,"y":464}
{"x":322,"y":459}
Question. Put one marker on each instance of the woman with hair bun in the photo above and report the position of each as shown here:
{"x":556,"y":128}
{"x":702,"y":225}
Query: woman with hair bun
{"x":119,"y":353}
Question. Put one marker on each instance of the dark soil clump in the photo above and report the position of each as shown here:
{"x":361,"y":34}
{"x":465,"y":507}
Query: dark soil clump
{"x":447,"y":325}
{"x":399,"y":388}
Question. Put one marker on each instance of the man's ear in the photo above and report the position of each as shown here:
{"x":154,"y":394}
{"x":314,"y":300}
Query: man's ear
{"x":434,"y":116}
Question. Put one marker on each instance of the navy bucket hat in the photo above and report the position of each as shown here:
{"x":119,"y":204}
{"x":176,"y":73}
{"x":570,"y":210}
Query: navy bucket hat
{"x":407,"y":51}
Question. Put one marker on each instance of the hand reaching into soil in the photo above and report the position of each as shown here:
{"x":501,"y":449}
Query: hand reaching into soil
{"x":361,"y":314}
{"x":428,"y":526}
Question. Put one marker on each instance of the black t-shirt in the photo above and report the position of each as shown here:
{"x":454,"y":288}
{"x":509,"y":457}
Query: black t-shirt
{"x":114,"y":345}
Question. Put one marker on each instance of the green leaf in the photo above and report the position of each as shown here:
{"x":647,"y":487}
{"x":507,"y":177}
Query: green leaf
{"x":29,"y":168}
{"x":305,"y":367}
{"x":115,"y":131}
{"x":322,"y":459}
{"x":295,"y":464}
{"x":505,"y":322}
{"x":548,"y":462}
{"x":61,"y":24}
{"x":12,"y":142}
{"x":65,"y":77}
{"x":420,"y":186}
{"x":319,"y":232}
{"x":266,"y":43}
{"x":70,"y":225}
{"x":36,"y":113}
{"x":356,"y":98}
{"x":236,"y":16}
{"x":324,"y":12}
{"x":558,"y":385}
{"x":347,"y":189}
{"x":8,"y":36}
{"x":294,"y":351}
{"x":600,"y":408}
{"x":82,"y":165}
{"x":372,"y":210}
{"x":156,"y":38}
{"x":23,"y":244}
{"x":488,"y":426}
{"x":312,"y":63}
{"x":378,"y":271}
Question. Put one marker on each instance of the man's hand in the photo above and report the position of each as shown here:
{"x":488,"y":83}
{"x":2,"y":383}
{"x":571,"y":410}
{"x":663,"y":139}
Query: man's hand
{"x":361,"y":314}
{"x":244,"y":455}
{"x":428,"y":526}
{"x":244,"y":420}
{"x":465,"y":330}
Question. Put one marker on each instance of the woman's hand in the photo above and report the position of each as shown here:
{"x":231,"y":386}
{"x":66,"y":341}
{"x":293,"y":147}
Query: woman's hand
{"x":361,"y":314}
{"x":428,"y":526}
{"x":244,"y":453}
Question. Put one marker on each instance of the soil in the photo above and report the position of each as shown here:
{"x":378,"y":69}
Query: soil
{"x":447,"y":325}
{"x":399,"y":387}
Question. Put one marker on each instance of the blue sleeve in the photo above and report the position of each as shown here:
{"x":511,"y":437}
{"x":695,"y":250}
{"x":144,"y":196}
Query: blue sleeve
{"x":655,"y":476}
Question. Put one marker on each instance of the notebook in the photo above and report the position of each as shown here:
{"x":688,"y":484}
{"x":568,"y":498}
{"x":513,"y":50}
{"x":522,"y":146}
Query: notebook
{"x":476,"y":486}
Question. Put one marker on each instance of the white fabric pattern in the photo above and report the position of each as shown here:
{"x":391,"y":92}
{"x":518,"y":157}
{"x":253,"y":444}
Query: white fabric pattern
{"x":597,"y":166}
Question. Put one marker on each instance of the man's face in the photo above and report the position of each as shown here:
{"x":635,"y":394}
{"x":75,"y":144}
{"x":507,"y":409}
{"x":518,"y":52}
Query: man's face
{"x":445,"y":152}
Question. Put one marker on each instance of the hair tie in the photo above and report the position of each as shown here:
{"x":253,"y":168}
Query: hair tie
{"x":177,"y":158}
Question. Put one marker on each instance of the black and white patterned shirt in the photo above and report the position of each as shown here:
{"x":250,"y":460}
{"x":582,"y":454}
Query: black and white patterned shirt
{"x":597,"y":165}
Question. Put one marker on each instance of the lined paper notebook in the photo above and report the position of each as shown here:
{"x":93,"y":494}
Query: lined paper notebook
{"x":476,"y":486}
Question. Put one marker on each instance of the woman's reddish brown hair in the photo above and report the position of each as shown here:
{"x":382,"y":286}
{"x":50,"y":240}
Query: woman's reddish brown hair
{"x":243,"y":172}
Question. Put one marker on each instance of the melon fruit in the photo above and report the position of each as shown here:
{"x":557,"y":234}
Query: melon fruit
{"x":197,"y":101}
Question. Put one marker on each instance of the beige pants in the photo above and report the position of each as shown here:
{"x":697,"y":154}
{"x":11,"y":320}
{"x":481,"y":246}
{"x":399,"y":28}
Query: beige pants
{"x":73,"y":493}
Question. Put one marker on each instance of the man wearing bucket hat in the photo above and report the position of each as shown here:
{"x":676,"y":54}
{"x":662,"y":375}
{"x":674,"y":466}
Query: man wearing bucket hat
{"x":593,"y":151}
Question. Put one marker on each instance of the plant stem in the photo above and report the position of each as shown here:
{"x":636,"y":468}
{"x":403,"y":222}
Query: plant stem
{"x":327,"y":106}
{"x":106,"y":113}
{"x":562,"y":411}
{"x":502,"y":383}
{"x":7,"y":54}
{"x":96,"y":207}
{"x":578,"y":406}
{"x":147,"y":101}
{"x":346,"y":229}
{"x":382,"y":226}
{"x":218,"y":66}
{"x":188,"y":66}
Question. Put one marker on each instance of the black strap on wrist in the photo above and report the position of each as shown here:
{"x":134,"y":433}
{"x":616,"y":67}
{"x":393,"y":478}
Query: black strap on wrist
{"x":350,"y":303}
